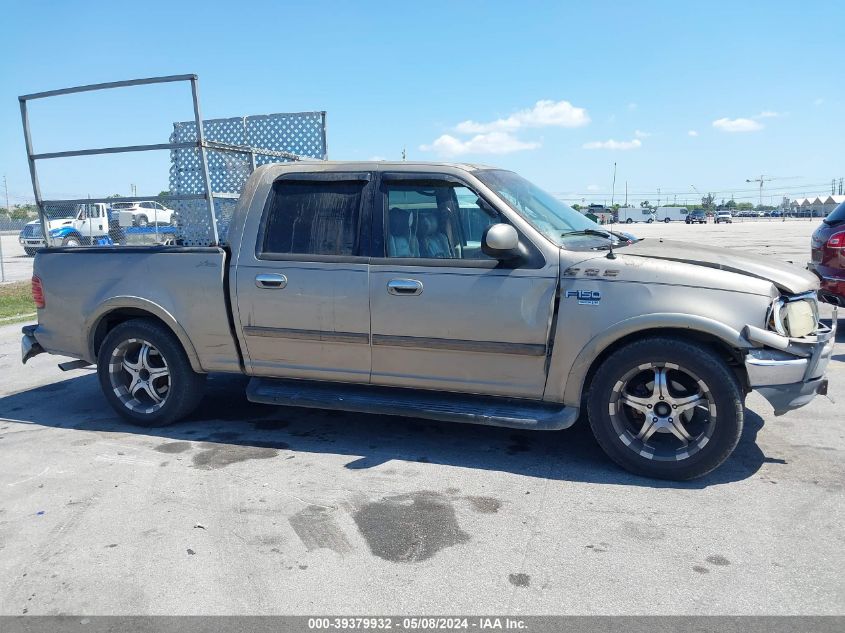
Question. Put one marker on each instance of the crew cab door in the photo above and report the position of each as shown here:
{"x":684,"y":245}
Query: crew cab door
{"x":444,"y":315}
{"x":301,"y":285}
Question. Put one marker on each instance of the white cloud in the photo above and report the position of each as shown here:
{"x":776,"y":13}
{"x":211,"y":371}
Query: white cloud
{"x":641,"y":134}
{"x":737,"y":125}
{"x":632,"y":106}
{"x":544,"y":113}
{"x":611,"y":144}
{"x":767,"y":114}
{"x":818,"y":101}
{"x":692,"y":133}
{"x":491,"y":143}
{"x":593,"y":188}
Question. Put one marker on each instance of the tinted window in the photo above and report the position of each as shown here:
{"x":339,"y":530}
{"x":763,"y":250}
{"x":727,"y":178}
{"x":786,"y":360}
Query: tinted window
{"x":837,"y":215}
{"x":437,"y":221}
{"x":314,"y":217}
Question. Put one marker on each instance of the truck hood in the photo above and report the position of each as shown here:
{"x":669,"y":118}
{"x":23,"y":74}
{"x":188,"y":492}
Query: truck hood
{"x":787,"y":277}
{"x":53,"y":224}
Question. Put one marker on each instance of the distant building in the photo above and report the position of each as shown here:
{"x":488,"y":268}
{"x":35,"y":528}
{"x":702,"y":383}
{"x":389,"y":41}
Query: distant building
{"x":817,"y":206}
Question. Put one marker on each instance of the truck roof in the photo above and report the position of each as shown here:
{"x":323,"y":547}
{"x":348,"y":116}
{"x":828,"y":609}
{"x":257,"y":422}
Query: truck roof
{"x":341,"y":165}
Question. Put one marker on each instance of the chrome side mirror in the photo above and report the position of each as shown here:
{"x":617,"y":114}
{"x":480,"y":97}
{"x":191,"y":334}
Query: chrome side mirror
{"x":500,"y":241}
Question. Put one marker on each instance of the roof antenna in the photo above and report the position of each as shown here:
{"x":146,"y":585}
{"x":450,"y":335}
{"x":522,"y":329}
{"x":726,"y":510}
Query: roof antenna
{"x":610,"y":253}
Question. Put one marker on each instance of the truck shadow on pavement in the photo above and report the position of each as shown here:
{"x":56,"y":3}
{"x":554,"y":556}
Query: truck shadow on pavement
{"x":225,"y":417}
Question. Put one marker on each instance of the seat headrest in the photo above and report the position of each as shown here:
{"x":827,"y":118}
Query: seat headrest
{"x":428,"y":224}
{"x":400,"y":221}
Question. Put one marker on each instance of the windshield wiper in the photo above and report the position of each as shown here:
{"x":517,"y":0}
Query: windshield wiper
{"x":604,"y":234}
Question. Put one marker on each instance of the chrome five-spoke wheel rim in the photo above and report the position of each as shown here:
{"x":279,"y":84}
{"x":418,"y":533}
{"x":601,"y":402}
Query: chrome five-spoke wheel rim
{"x":139,"y":376}
{"x":663,"y":411}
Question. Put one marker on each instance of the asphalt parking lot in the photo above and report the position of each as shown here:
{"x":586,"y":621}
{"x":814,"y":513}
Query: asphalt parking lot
{"x":250,"y":509}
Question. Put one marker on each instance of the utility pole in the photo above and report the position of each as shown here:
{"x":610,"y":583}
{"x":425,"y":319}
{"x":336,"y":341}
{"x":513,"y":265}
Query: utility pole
{"x":404,"y":153}
{"x":658,"y":196}
{"x":762,"y":179}
{"x":9,"y":213}
{"x":613,"y":186}
{"x":626,"y":192}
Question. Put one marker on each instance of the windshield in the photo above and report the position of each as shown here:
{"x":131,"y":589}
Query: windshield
{"x":837,"y":216}
{"x":543,"y":211}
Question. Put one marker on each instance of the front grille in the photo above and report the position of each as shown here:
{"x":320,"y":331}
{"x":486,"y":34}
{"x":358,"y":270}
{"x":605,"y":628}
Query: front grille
{"x":31,"y":230}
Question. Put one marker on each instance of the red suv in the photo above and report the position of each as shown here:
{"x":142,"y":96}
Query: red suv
{"x":827,"y":248}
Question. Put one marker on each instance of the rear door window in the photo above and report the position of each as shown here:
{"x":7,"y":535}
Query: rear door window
{"x":314,"y":217}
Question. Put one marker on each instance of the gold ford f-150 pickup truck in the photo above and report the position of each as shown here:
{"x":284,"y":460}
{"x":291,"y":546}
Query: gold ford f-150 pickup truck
{"x":451,"y":292}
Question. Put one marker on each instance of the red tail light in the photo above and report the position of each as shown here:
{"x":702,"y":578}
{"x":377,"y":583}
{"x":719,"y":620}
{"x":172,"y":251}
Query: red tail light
{"x":837,"y":240}
{"x":37,"y":292}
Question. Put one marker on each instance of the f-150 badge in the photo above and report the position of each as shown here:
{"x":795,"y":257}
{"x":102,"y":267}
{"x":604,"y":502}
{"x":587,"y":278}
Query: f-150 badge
{"x":585,"y":297}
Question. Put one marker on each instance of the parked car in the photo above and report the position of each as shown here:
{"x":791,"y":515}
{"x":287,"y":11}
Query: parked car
{"x":696,"y":216}
{"x":468,"y":294}
{"x":827,"y":250}
{"x":724,"y":217}
{"x":148,"y":212}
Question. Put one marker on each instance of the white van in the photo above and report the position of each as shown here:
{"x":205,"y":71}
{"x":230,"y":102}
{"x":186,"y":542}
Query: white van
{"x":629,"y":215}
{"x":671,"y":214}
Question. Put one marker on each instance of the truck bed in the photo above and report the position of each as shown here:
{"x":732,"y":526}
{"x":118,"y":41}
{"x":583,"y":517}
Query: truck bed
{"x":185,"y":287}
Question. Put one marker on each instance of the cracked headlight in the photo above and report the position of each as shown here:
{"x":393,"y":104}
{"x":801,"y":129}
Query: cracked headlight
{"x":794,"y":316}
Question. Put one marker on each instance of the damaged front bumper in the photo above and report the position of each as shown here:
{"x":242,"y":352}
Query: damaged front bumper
{"x":29,"y":346}
{"x":789,"y":373}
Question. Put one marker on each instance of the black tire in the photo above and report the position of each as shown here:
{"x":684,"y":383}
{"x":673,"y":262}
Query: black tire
{"x":629,"y":221}
{"x":721,"y":420}
{"x":72,"y":240}
{"x":30,"y":252}
{"x":142,"y":220}
{"x":667,"y":220}
{"x":184,"y":386}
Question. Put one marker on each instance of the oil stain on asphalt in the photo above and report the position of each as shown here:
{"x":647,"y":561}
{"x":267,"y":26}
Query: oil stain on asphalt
{"x":520,"y":580}
{"x":410,"y":527}
{"x":173,"y":447}
{"x":316,"y":528}
{"x":220,"y":455}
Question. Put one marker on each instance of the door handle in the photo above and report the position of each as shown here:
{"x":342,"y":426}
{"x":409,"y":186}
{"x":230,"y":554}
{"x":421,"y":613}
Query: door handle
{"x":404,"y":287}
{"x":273,"y":282}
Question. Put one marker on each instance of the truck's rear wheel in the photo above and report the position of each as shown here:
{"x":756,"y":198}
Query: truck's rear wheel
{"x":666,"y":408}
{"x":145,"y":374}
{"x":142,"y":220}
{"x":72,"y":240}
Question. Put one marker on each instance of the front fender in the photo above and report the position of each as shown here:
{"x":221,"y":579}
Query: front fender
{"x":654,"y":323}
{"x":139,"y":303}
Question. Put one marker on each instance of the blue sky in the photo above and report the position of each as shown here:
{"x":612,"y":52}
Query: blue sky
{"x":678,"y":94}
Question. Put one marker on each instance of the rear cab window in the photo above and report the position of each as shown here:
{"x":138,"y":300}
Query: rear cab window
{"x":313,"y":217}
{"x":837,"y":216}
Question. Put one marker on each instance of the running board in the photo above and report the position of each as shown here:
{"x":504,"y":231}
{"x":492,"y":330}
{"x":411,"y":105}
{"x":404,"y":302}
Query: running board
{"x":415,"y":403}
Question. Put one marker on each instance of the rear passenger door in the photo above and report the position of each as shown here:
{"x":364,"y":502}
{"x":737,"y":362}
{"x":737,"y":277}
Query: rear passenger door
{"x":302,"y":287}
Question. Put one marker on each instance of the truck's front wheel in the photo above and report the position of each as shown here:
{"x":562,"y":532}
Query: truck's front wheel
{"x":666,"y":408}
{"x":145,"y":374}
